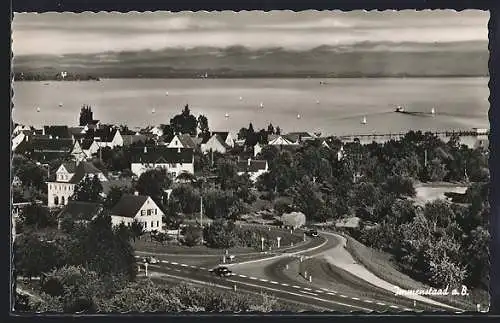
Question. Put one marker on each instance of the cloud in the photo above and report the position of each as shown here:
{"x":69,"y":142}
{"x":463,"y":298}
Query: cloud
{"x":63,"y":33}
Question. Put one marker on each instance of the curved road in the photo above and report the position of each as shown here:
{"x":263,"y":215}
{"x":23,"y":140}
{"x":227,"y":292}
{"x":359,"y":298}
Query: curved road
{"x":334,"y":285}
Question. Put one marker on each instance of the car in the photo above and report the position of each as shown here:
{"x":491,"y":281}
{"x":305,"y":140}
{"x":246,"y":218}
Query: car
{"x":150,"y":260}
{"x":312,"y":233}
{"x":221,"y":271}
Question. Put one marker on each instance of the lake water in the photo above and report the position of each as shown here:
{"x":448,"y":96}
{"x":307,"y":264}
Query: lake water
{"x":336,"y":107}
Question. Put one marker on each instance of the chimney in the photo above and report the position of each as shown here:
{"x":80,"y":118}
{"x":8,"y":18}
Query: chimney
{"x":249,"y":160}
{"x":145,"y":149}
{"x":136,"y":193}
{"x":178,"y":150}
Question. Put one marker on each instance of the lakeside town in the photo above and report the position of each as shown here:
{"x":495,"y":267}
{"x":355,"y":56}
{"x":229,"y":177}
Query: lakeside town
{"x":179,"y":186}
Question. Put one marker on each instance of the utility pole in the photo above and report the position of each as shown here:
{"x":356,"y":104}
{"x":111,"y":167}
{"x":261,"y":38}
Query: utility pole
{"x":201,"y":211}
{"x":425,"y":158}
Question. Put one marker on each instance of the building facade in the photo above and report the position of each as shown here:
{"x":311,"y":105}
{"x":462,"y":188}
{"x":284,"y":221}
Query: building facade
{"x":139,"y":208}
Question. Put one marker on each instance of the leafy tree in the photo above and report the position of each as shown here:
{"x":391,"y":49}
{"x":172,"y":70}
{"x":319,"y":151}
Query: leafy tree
{"x":400,"y":186}
{"x":187,"y":197}
{"x":220,"y":234}
{"x":29,"y":173}
{"x":436,"y":170}
{"x":86,"y":115}
{"x":32,"y":257}
{"x":37,"y":216}
{"x":219,"y":204}
{"x":307,"y":199}
{"x":88,"y":190}
{"x":153,"y":183}
{"x":277,"y":131}
{"x":203,"y":126}
{"x":270,"y":129}
{"x":184,"y":122}
{"x":192,"y":235}
{"x":168,"y":132}
{"x":114,"y":195}
{"x":478,"y":263}
{"x":136,"y":229}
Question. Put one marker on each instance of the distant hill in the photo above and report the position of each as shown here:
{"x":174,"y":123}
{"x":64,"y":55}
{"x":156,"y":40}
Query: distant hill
{"x":359,"y":60}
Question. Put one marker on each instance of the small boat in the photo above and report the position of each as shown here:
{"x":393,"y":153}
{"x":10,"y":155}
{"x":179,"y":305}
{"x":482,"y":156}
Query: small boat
{"x":166,"y":93}
{"x":37,"y":109}
{"x":363,"y":121}
{"x":227,"y":115}
{"x":317,"y":101}
{"x":153,"y":111}
{"x":241,"y":98}
{"x":400,"y":109}
{"x":262,"y":105}
{"x":433,"y":111}
{"x":60,"y":104}
{"x":298,"y":116}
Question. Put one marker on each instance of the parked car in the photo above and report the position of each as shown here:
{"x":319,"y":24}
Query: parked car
{"x":151,"y":260}
{"x":221,"y":271}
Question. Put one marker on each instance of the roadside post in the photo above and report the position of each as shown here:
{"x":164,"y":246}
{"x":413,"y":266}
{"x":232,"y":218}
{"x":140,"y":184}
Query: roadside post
{"x":262,"y":243}
{"x":234,"y":287}
{"x":223,"y":259}
{"x":305,"y":274}
{"x":310,"y":278}
{"x":279,"y":239}
{"x":146,"y":268}
{"x":478,"y":306}
{"x":304,"y":236}
{"x":286,"y":266}
{"x":227,"y":252}
{"x":414,"y":303}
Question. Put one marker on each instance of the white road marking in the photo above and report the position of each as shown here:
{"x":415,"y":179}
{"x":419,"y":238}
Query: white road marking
{"x":302,"y":295}
{"x":355,"y":298}
{"x":325,"y":289}
{"x":184,"y":265}
{"x":174,"y":263}
{"x":319,"y":291}
{"x":393,"y":306}
{"x":273,"y":282}
{"x":333,"y":294}
{"x":243,"y":276}
{"x":165,"y":261}
{"x":263,"y":280}
{"x":194,"y":267}
{"x":343,"y":296}
{"x":254,"y":278}
{"x":295,"y":286}
{"x":203,"y":268}
{"x":380,"y":303}
{"x":305,"y":288}
{"x":308,"y":293}
{"x":367,"y":301}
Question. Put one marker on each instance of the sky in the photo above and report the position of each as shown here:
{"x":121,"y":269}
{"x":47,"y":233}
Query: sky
{"x":86,"y":33}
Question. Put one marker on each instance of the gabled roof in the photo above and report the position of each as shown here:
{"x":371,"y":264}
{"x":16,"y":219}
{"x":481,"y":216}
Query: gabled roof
{"x":80,"y":171}
{"x":105,"y":134}
{"x":297,"y":136}
{"x":155,"y":153}
{"x":92,"y":122}
{"x":79,"y":211}
{"x":57,"y":131}
{"x":280,"y":140}
{"x":219,"y":139}
{"x":133,"y":138}
{"x":51,"y":145}
{"x":254,"y":166}
{"x":129,"y":205}
{"x":186,"y":140}
{"x":86,"y":143}
{"x":75,"y":130}
{"x":222,"y":134}
{"x":70,"y":166}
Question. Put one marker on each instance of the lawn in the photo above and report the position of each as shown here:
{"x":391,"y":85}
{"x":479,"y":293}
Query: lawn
{"x":382,"y":265}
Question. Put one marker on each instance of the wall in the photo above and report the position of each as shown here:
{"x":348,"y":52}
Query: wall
{"x":61,"y":190}
{"x":138,"y":169}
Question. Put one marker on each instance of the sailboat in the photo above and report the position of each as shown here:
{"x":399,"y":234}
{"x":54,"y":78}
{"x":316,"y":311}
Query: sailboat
{"x":298,"y":116}
{"x":433,"y":111}
{"x":262,"y":105}
{"x":37,"y":109}
{"x":153,"y":111}
{"x":227,"y":115}
{"x":60,"y":104}
{"x":363,"y":121}
{"x":241,"y":98}
{"x":166,"y":93}
{"x":317,"y":101}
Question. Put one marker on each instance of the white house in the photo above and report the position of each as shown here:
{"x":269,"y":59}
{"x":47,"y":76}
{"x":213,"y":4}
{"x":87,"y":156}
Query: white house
{"x":254,"y":168}
{"x":182,"y":141}
{"x":215,"y":144}
{"x":140,"y":208}
{"x":67,"y":176}
{"x":157,"y":131}
{"x":257,"y":149}
{"x":280,"y":141}
{"x":19,"y":128}
{"x":174,"y":160}
{"x":226,"y":137}
{"x":18,"y":139}
{"x":113,"y":139}
{"x":77,"y":152}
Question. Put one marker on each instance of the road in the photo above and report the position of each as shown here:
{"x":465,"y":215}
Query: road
{"x":282,"y":275}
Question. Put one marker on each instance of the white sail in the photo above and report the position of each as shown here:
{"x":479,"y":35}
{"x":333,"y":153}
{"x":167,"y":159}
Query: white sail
{"x":364,"y":120}
{"x":153,"y":111}
{"x":298,"y":116}
{"x":227,"y":115}
{"x":433,"y":111}
{"x":38,"y":109}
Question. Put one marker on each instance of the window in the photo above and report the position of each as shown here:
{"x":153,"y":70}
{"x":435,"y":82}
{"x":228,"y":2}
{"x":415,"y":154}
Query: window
{"x":56,"y":200}
{"x":62,"y":200}
{"x":157,"y":224}
{"x":152,"y":224}
{"x":143,"y":212}
{"x":145,"y":224}
{"x":156,"y":211}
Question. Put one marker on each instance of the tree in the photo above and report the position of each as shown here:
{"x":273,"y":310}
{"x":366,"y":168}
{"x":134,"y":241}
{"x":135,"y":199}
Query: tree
{"x":186,"y":197}
{"x":400,"y":186}
{"x":220,"y":234}
{"x":184,"y":122}
{"x":136,"y":229}
{"x":436,"y":170}
{"x":251,"y":138}
{"x":86,"y":115}
{"x":270,"y":129}
{"x":153,"y":183}
{"x":88,"y":190}
{"x":37,"y":216}
{"x":277,"y":131}
{"x":32,"y":257}
{"x":307,"y":199}
{"x":114,"y":195}
{"x":203,"y":126}
{"x":192,"y":235}
{"x":219,"y":204}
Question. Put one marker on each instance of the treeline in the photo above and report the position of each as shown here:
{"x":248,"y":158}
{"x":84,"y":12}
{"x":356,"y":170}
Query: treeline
{"x":45,"y":76}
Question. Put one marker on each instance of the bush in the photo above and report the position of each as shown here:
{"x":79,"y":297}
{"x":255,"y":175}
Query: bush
{"x":192,"y":236}
{"x":221,"y":234}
